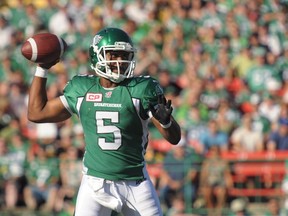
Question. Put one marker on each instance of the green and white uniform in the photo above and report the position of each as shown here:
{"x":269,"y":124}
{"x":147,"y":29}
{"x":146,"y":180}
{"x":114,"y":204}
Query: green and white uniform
{"x":114,"y":123}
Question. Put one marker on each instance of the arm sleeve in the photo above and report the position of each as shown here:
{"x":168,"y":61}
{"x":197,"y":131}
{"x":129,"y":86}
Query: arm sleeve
{"x":73,"y":90}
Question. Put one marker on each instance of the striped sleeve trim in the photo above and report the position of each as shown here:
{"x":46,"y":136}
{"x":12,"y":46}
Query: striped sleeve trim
{"x":65,"y":103}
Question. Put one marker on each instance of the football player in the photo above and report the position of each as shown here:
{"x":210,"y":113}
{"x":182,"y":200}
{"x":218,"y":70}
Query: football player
{"x":114,"y":108}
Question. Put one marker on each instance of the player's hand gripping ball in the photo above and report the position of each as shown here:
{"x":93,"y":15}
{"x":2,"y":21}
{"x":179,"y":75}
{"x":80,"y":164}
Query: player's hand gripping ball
{"x":43,"y":48}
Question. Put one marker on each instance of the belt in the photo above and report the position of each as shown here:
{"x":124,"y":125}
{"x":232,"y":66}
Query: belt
{"x":137,"y":182}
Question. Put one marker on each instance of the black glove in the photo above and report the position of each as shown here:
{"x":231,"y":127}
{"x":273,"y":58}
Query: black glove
{"x":163,"y":111}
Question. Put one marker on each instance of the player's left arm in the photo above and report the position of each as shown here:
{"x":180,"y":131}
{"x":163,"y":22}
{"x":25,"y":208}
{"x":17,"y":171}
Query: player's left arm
{"x":164,"y":121}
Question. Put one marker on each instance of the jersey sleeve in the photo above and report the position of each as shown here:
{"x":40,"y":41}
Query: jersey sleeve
{"x":70,"y":94}
{"x":73,"y":91}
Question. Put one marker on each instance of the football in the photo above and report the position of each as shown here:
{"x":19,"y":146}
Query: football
{"x":43,"y":48}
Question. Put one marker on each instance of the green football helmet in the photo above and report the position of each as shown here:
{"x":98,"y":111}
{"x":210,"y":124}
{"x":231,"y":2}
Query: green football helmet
{"x":116,"y":42}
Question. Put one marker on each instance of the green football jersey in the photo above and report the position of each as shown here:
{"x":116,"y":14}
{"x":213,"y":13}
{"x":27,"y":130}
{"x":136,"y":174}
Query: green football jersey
{"x":115,"y":124}
{"x":43,"y":172}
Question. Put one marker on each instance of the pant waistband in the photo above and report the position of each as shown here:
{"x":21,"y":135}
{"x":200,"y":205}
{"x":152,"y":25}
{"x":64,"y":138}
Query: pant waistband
{"x":136,"y":182}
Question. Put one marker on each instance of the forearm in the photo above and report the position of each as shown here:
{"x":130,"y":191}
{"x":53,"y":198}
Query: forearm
{"x":37,"y":98}
{"x":172,"y":134}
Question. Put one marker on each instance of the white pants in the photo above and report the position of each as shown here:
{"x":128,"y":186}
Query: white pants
{"x":98,"y":197}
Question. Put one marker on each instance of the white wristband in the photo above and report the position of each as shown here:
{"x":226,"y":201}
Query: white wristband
{"x":166,"y":125}
{"x":41,"y":72}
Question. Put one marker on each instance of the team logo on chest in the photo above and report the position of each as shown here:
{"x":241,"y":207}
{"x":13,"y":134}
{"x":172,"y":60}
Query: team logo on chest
{"x":94,"y":97}
{"x":108,"y":94}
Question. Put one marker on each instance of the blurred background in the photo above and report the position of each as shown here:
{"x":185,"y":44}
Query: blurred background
{"x":224,"y":64}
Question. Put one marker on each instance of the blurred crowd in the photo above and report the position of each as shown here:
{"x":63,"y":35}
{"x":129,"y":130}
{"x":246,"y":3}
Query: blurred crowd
{"x":224,"y":64}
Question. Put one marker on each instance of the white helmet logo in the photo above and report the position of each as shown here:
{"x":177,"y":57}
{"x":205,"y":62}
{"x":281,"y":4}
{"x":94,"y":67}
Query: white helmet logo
{"x":97,"y":39}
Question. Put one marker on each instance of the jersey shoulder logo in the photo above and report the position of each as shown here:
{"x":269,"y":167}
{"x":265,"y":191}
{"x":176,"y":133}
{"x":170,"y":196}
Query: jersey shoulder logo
{"x":94,"y":97}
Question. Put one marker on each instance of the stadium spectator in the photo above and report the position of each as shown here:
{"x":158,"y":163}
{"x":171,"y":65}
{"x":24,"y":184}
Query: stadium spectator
{"x":6,"y":31}
{"x":226,"y":117}
{"x":78,"y":138}
{"x":17,"y":156}
{"x":17,"y":97}
{"x":274,"y":207}
{"x":4,"y":173}
{"x":241,"y":62}
{"x":43,"y":177}
{"x":270,"y":108}
{"x":70,"y":167}
{"x":138,"y":10}
{"x":179,"y":176}
{"x":239,"y":207}
{"x":177,"y":207}
{"x":60,"y":18}
{"x":212,"y":136}
{"x":215,"y":180}
{"x":12,"y":175}
{"x":245,"y":139}
{"x":193,"y":126}
{"x":279,"y":138}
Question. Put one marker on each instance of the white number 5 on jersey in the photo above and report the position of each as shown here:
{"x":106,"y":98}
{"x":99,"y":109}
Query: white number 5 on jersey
{"x":104,"y":129}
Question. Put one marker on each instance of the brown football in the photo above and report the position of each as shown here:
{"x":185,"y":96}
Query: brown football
{"x":43,"y":48}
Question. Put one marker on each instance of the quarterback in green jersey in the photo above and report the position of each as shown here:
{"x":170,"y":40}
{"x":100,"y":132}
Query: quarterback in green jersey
{"x":114,"y":108}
